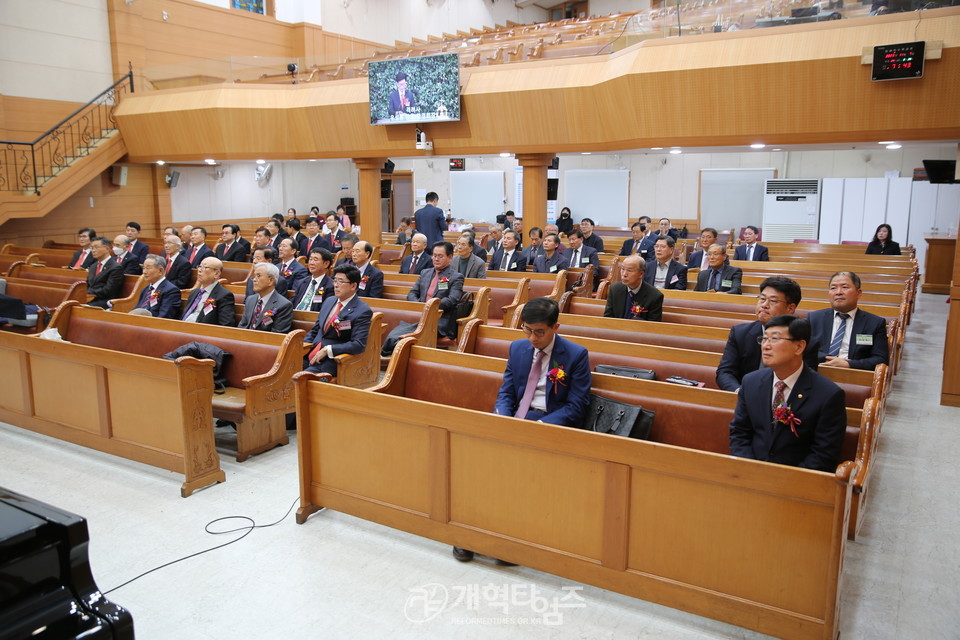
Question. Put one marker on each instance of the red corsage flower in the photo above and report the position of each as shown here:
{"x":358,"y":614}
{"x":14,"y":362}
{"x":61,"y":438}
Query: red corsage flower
{"x":210,"y":303}
{"x":557,"y":376}
{"x":155,"y":294}
{"x":287,"y":273}
{"x":365,"y":279}
{"x":636,"y":310}
{"x":784,"y":415}
{"x":443,"y":280}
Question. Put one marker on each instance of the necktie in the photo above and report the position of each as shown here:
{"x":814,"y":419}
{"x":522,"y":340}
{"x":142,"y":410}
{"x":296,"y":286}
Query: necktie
{"x":432,"y":289}
{"x":193,"y":254}
{"x":310,"y":245}
{"x":749,"y":252}
{"x":532,"y":380}
{"x":119,"y":259}
{"x":256,"y":314}
{"x":336,"y":311}
{"x":99,"y":268}
{"x":146,"y":298}
{"x":169,"y":264}
{"x":703,"y":260}
{"x":505,"y":262}
{"x":636,"y":246}
{"x":714,"y":280}
{"x":778,"y":397}
{"x":413,"y":264}
{"x":196,"y":301}
{"x":575,"y":259}
{"x":308,"y":296}
{"x":79,"y":262}
{"x":838,"y":336}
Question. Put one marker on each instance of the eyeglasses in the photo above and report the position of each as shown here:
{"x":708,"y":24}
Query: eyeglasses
{"x":768,"y":301}
{"x":340,"y":281}
{"x":773,"y":339}
{"x":537,"y":332}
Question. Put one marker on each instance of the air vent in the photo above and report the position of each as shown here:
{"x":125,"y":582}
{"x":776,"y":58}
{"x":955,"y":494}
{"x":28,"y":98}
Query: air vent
{"x":793,"y":187}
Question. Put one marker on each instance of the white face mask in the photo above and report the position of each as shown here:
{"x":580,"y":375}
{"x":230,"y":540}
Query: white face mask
{"x":117,"y":251}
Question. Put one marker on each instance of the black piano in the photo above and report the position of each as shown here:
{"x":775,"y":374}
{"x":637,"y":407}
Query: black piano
{"x":46,"y":588}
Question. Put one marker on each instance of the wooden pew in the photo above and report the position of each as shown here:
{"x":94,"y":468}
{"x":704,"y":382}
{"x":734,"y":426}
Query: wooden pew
{"x":132,"y":285}
{"x":640,"y":518}
{"x":259,"y":370}
{"x":139,"y":407}
{"x":7,"y":262}
{"x":46,"y":295}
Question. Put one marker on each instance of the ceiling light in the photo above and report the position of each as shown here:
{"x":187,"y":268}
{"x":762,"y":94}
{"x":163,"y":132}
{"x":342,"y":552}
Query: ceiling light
{"x":261,"y":162}
{"x":776,"y":149}
{"x":656,"y":148}
{"x":757,"y":145}
{"x":210,"y":161}
{"x":675,"y":151}
{"x":312,"y":160}
{"x":893,"y":146}
{"x":887,"y":142}
{"x":504,"y":155}
{"x":585,"y":153}
{"x":161,"y":162}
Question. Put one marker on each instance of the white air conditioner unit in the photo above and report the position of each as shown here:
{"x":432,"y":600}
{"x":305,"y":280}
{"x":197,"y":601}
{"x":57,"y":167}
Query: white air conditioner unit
{"x":791,"y":210}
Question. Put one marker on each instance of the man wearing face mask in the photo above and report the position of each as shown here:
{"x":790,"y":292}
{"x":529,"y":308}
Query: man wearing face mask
{"x":127,"y":261}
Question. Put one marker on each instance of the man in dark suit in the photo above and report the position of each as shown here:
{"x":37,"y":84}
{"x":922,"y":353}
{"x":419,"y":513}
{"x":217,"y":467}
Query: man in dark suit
{"x":127,"y":261}
{"x":848,"y":336}
{"x":779,"y":295}
{"x":788,"y":413}
{"x":160,"y":297}
{"x":551,"y":260}
{"x":82,"y":257}
{"x":105,"y":276}
{"x":750,"y":250}
{"x":465,"y":262}
{"x":636,"y":243}
{"x":311,"y":293}
{"x":177,"y":270}
{"x":198,"y":251}
{"x":371,"y":278}
{"x":265,"y":254}
{"x":335,"y":234}
{"x":590,"y":239}
{"x":419,"y":258}
{"x":698,"y":259}
{"x":430,"y":220}
{"x":719,"y":277}
{"x":561,"y":401}
{"x":401,"y":99}
{"x":509,"y":257}
{"x":290,"y":269}
{"x":230,"y":249}
{"x":313,"y":238}
{"x":663,"y":272}
{"x":266,"y":309}
{"x":534,"y":242}
{"x":262,"y":239}
{"x":580,"y":255}
{"x":209,"y":302}
{"x":276,"y":232}
{"x":293,"y":231}
{"x":343,"y":323}
{"x":632,"y":298}
{"x":494,"y":236}
{"x":137,"y":248}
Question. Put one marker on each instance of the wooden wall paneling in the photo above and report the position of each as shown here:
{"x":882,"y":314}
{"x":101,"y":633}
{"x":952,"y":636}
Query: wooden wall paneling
{"x":25,"y":119}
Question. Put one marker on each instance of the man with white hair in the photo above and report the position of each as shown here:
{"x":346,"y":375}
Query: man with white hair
{"x":210,"y":302}
{"x":418,"y":259}
{"x":177,"y":269}
{"x":266,"y":310}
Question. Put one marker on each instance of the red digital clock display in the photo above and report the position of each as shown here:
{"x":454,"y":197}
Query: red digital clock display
{"x":456,"y":164}
{"x":898,"y":61}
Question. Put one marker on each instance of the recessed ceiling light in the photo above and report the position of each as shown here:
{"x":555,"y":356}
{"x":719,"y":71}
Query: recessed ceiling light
{"x":777,"y":149}
{"x":675,"y":151}
{"x":893,"y":146}
{"x":161,"y":162}
{"x":504,"y":155}
{"x":887,"y":142}
{"x":261,"y":161}
{"x":757,"y":145}
{"x":312,"y":160}
{"x":210,"y":161}
{"x":586,"y":153}
{"x":656,"y":148}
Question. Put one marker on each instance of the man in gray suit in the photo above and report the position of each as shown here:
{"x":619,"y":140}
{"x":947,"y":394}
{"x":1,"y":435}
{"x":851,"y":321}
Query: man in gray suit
{"x":266,"y":310}
{"x":466,"y":262}
{"x":719,"y":276}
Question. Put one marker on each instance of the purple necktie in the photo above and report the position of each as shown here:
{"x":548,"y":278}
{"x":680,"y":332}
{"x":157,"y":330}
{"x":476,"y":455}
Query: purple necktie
{"x":532,"y":380}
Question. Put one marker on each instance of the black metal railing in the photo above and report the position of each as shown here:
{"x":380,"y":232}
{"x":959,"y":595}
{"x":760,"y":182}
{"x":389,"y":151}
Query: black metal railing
{"x":27,"y":166}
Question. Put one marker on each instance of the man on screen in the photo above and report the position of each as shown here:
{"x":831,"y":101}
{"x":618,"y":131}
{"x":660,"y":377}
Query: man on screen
{"x":401,"y":100}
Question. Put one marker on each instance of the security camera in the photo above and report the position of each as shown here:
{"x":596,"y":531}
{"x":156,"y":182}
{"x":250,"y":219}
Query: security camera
{"x":422,"y":142}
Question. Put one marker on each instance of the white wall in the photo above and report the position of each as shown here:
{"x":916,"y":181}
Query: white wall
{"x":54,"y":49}
{"x":237,"y":195}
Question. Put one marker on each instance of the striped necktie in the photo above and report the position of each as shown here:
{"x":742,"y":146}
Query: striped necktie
{"x":838,"y":336}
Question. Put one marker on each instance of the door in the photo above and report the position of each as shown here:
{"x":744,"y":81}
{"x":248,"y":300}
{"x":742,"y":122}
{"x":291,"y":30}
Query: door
{"x":401,"y":197}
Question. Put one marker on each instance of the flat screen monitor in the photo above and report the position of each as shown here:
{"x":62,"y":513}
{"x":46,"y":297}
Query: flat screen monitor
{"x":941,"y":171}
{"x":413,"y":90}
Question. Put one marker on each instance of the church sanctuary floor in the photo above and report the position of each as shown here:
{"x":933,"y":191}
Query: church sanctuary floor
{"x":341,"y":577}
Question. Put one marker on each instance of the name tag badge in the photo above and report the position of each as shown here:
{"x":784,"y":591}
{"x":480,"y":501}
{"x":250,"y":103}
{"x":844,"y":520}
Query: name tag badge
{"x":344,"y":325}
{"x":584,"y":259}
{"x":865,"y":339}
{"x":363,"y":285}
{"x":726,"y":283}
{"x":553,"y":268}
{"x":674,"y":279}
{"x":153,"y":302}
{"x":208,"y":309}
{"x":443,"y":286}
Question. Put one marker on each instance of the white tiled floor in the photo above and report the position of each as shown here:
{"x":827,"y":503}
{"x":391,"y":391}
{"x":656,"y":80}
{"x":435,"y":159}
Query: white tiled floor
{"x":340,"y":577}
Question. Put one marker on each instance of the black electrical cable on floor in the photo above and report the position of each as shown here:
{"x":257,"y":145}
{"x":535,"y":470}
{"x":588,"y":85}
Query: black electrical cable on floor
{"x":247,"y":530}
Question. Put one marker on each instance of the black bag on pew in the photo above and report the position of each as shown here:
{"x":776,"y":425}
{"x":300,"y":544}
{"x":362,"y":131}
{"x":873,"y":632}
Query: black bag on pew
{"x":204,"y":351}
{"x":628,"y":372}
{"x":618,"y":418}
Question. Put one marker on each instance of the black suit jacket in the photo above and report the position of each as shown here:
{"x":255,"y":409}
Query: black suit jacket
{"x":373,"y":287}
{"x":202,"y":252}
{"x":220,"y":312}
{"x":181,"y":271}
{"x":331,"y":242}
{"x":431,"y":222}
{"x":294,"y":274}
{"x":107,"y":285}
{"x":424,"y":262}
{"x":237,"y":252}
{"x":742,"y":355}
{"x":760,"y":253}
{"x":542,"y":264}
{"x":888,"y":249}
{"x":649,"y":298}
{"x":318,"y":241}
{"x":676,"y":275}
{"x":815,"y":401}
{"x":587,"y":255}
{"x":130,"y":265}
{"x":630,"y":246}
{"x":518,"y":261}
{"x":448,"y":292}
{"x":87,"y":261}
{"x":860,"y":356}
{"x":594,"y":241}
{"x":323,"y":292}
{"x":164,"y":304}
{"x":733,"y":275}
{"x":140,"y":250}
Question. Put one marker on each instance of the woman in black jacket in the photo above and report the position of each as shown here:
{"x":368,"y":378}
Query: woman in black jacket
{"x":882,"y":245}
{"x":565,"y":221}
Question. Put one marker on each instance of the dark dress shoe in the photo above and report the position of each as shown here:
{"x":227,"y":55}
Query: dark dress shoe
{"x":463,"y":555}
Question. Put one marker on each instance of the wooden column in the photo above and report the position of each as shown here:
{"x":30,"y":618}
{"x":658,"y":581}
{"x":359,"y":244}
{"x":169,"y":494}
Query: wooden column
{"x":368,"y":208}
{"x":535,"y":188}
{"x":950,"y":391}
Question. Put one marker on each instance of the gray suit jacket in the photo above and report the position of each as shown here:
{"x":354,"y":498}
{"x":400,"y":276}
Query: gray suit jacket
{"x":276,"y":316}
{"x":476,"y":268}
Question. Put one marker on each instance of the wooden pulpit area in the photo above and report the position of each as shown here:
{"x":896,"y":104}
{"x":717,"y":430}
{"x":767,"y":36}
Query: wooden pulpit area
{"x":754,"y":544}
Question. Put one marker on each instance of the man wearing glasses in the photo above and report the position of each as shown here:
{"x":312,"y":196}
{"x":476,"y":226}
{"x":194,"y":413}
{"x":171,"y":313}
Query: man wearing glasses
{"x":266,"y":309}
{"x":210,"y":302}
{"x":786,"y":412}
{"x":779,"y":295}
{"x":343,"y":323}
